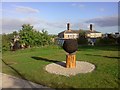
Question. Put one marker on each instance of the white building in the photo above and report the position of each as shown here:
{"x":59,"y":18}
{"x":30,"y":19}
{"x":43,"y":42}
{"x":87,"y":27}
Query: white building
{"x":91,"y":35}
{"x":69,"y":34}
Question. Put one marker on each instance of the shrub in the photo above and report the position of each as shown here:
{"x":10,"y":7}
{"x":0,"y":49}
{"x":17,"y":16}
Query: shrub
{"x":105,"y":41}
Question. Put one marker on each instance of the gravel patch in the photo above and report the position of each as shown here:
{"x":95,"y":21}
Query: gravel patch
{"x":60,"y":69}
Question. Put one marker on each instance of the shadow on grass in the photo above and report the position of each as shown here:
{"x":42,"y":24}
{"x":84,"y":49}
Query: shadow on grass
{"x":103,"y":56}
{"x":44,"y":59}
{"x":18,"y":73}
{"x":49,"y":60}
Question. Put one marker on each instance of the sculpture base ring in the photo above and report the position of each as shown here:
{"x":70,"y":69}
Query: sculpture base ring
{"x":59,"y":68}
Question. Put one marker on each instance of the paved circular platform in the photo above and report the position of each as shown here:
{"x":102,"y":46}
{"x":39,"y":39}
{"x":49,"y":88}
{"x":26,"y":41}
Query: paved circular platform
{"x":60,"y":69}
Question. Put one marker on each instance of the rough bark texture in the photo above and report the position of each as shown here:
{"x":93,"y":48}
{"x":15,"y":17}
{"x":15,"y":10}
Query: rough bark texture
{"x":70,"y":61}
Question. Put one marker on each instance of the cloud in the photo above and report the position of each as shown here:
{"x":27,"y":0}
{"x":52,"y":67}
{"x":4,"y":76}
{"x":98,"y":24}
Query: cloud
{"x":27,"y":10}
{"x":81,"y":5}
{"x":1,"y":10}
{"x":73,"y":4}
{"x":78,"y":5}
{"x":63,"y":25}
{"x":104,"y":21}
{"x":56,"y":24}
{"x":12,"y":24}
{"x":102,"y":9}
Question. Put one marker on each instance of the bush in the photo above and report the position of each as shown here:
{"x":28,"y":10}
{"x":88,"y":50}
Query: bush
{"x":82,"y":41}
{"x":105,"y":41}
{"x":118,"y":40}
{"x":5,"y":47}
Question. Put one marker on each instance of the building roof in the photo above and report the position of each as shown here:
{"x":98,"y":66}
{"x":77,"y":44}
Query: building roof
{"x":70,"y":31}
{"x":78,"y":31}
{"x":93,"y":31}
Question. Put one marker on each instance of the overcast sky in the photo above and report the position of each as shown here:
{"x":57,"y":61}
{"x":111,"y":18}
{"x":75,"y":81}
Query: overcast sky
{"x":53,"y":16}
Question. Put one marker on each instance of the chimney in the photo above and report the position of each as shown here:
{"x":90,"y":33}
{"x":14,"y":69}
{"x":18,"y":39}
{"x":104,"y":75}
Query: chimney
{"x":68,"y":26}
{"x":90,"y":27}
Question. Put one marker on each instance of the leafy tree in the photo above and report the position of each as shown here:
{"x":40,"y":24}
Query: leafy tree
{"x":6,"y":39}
{"x":15,"y":33}
{"x":46,"y":39}
{"x":26,"y":34}
{"x":82,"y":39}
{"x":31,"y":37}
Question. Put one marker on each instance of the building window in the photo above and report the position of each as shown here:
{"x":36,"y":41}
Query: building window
{"x":68,"y":36}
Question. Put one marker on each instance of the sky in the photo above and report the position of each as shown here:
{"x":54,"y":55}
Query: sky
{"x":53,"y":16}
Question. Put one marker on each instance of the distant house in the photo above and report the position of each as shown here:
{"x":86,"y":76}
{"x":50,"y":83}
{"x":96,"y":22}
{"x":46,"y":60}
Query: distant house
{"x":117,"y":34}
{"x":69,"y":34}
{"x":91,"y":34}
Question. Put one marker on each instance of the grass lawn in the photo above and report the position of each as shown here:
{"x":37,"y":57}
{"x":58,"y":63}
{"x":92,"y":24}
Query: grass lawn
{"x":30,"y":63}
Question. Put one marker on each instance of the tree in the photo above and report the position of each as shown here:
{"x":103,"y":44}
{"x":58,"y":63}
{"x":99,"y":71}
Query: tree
{"x":46,"y":39}
{"x":26,"y":34}
{"x":82,"y":39}
{"x":30,"y":36}
{"x":6,"y":39}
{"x":15,"y":33}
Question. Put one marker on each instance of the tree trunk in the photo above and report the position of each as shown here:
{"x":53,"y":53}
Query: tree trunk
{"x":70,"y":61}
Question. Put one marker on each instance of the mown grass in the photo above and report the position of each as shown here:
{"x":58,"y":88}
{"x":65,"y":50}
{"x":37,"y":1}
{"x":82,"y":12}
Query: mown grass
{"x":30,"y":63}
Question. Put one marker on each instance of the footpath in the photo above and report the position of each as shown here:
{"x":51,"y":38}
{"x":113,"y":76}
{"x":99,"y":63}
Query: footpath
{"x":8,"y":81}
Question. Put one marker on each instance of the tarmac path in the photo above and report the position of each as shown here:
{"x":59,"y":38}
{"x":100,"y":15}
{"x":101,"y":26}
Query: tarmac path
{"x":8,"y":81}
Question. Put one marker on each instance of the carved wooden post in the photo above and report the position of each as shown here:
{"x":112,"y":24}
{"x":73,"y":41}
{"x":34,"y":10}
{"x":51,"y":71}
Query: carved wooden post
{"x":70,"y":61}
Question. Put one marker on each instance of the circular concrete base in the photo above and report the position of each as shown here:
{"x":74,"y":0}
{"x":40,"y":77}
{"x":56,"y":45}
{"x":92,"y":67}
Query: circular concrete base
{"x":60,"y":68}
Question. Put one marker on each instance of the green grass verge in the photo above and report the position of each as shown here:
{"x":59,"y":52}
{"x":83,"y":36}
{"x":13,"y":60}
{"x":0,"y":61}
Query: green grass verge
{"x":30,"y":63}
